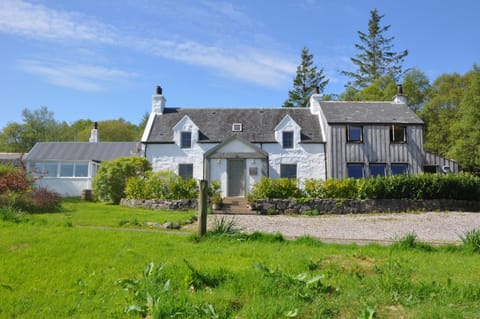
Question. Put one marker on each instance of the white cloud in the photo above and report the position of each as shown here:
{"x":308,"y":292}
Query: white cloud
{"x":77,"y":76}
{"x":42,"y":23}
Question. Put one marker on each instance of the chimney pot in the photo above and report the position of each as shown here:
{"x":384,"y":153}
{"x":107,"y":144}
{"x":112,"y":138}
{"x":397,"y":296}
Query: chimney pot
{"x":399,"y":89}
{"x":159,"y":90}
{"x":95,"y":125}
{"x":317,"y":90}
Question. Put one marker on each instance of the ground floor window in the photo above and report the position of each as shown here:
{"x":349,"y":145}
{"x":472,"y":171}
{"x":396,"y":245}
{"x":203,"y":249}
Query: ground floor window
{"x":378,"y":169}
{"x":399,"y":168}
{"x":288,"y":170}
{"x":185,"y":170}
{"x":60,"y":169}
{"x":355,"y":170}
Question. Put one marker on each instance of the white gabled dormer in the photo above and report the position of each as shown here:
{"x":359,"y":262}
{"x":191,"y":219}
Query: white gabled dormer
{"x":287,"y":133}
{"x":185,"y":130}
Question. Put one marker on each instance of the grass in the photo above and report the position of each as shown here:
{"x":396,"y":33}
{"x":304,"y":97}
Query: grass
{"x":52,"y":269}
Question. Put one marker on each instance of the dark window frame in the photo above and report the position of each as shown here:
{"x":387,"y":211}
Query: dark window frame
{"x":185,"y":170}
{"x":383,"y":165}
{"x":184,"y":141}
{"x":395,"y":136}
{"x":287,"y":169}
{"x":399,"y":165}
{"x":361,"y":165}
{"x":287,"y":139}
{"x":350,"y":130}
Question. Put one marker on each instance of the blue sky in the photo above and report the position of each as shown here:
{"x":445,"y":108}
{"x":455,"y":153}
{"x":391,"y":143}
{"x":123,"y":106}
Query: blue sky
{"x":102,"y":59}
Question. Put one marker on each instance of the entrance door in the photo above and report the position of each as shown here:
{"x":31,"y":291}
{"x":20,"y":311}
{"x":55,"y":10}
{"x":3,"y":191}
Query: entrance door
{"x":236,"y":177}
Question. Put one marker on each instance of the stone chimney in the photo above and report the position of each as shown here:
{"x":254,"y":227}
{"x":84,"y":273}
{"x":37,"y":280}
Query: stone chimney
{"x":158,"y":101}
{"x":94,"y":133}
{"x":400,"y":98}
{"x":315,"y":100}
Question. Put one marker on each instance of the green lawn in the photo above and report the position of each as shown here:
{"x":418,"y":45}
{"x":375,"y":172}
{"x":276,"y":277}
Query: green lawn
{"x":76,"y":264}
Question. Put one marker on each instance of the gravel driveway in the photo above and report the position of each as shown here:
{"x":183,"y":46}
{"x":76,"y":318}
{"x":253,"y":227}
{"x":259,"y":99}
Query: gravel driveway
{"x":432,"y":227}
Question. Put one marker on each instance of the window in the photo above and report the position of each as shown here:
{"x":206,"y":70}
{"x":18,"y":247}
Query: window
{"x":185,"y":171}
{"x":354,"y":133}
{"x":186,"y":140}
{"x":45,"y":169}
{"x":398,"y":134}
{"x":399,"y":168}
{"x":81,"y":169}
{"x":66,"y":170}
{"x":377,"y":170}
{"x":288,"y":170}
{"x":355,"y":170}
{"x":287,"y":140}
{"x":237,"y":127}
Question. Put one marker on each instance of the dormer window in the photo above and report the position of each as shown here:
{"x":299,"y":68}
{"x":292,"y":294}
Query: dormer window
{"x":398,"y":133}
{"x":287,"y":139}
{"x":355,"y":133}
{"x":237,"y":127}
{"x":186,"y":140}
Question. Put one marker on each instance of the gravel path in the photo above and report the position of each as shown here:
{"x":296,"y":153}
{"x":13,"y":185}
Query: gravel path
{"x":432,"y":227}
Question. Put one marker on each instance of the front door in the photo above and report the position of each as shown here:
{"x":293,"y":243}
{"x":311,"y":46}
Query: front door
{"x":236,"y":177}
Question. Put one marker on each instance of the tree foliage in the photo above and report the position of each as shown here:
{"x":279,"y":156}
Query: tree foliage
{"x":109,"y":183}
{"x":306,"y":81}
{"x":376,"y":57}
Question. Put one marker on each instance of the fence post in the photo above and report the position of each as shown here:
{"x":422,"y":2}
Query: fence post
{"x":202,"y":207}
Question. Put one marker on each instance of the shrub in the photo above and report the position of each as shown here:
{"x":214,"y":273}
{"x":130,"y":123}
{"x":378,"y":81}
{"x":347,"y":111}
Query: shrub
{"x":276,"y":188}
{"x":109,"y":183}
{"x":44,"y":200}
{"x":471,"y":240}
{"x":14,"y":179}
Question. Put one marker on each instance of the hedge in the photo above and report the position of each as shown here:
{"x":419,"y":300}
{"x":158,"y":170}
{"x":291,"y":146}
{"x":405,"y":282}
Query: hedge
{"x":419,"y":187}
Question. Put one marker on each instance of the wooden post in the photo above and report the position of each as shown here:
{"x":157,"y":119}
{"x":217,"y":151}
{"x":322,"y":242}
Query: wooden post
{"x":202,"y":207}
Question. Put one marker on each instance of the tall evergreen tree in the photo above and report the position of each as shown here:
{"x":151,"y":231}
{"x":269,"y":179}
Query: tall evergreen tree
{"x":376,"y":58}
{"x":306,"y":81}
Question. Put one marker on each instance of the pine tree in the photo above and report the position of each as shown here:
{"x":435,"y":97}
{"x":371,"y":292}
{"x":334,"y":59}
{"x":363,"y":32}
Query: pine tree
{"x":376,"y":58}
{"x":306,"y":81}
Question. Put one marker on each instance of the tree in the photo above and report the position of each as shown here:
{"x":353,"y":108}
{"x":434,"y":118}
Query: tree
{"x":306,"y":82}
{"x":466,"y":130}
{"x":376,"y":58}
{"x":109,"y":183}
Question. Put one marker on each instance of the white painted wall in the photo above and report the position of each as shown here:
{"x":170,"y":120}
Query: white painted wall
{"x":67,"y":187}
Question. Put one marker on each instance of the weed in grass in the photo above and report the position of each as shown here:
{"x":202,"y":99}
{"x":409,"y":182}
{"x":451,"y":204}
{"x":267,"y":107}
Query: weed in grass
{"x":199,"y":280}
{"x":264,"y":237}
{"x":368,"y":313}
{"x":311,"y":212}
{"x":11,"y":215}
{"x":308,"y":241}
{"x":409,"y":241}
{"x":224,"y":226}
{"x":471,"y":240}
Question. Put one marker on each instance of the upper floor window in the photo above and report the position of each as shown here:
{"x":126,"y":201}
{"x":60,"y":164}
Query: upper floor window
{"x":287,"y":139}
{"x":355,"y":170}
{"x":186,"y":139}
{"x":377,"y":169}
{"x":398,"y":133}
{"x":185,"y":170}
{"x":399,"y":168}
{"x":355,"y":133}
{"x":288,"y":170}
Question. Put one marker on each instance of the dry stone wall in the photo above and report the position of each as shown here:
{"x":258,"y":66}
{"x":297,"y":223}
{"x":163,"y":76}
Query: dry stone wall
{"x":182,"y":204}
{"x":351,"y":206}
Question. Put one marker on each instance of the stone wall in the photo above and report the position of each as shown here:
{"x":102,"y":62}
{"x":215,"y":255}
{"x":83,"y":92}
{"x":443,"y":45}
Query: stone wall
{"x":351,"y":206}
{"x":182,"y":204}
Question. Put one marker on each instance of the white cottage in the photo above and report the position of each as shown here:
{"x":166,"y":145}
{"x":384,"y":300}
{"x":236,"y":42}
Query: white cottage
{"x":68,"y":168}
{"x":235,"y":146}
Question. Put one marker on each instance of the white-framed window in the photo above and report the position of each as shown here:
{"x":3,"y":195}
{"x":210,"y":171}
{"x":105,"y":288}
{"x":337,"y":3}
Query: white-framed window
{"x":185,"y":139}
{"x":237,"y":127}
{"x":398,"y":133}
{"x":354,"y":133}
{"x":45,"y":169}
{"x":378,"y":169}
{"x":355,"y":170}
{"x":288,"y":170}
{"x":66,"y":169}
{"x":81,"y":169}
{"x":185,"y":170}
{"x":287,"y":139}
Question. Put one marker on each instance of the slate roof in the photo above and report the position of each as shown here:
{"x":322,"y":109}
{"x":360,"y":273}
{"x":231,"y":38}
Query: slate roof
{"x":80,"y":151}
{"x":215,"y":124}
{"x":368,"y":113}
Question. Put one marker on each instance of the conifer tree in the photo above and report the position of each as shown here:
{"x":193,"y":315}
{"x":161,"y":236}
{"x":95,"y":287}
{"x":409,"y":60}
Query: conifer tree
{"x":376,"y":58}
{"x":306,"y":81}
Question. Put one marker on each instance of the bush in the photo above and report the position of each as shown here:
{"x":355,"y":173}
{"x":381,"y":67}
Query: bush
{"x":282,"y":188}
{"x":14,"y":179}
{"x":160,"y":185}
{"x":109,"y":183}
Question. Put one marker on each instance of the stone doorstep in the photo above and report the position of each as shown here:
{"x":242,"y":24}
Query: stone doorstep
{"x":235,"y":205}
